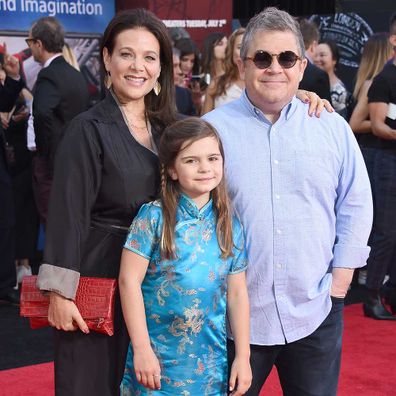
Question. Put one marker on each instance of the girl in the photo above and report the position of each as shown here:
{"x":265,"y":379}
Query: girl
{"x":182,"y":267}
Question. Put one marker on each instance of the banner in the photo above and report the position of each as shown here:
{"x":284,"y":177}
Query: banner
{"x":76,"y":16}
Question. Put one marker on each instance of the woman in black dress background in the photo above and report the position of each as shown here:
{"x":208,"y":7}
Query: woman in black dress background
{"x":106,"y":168}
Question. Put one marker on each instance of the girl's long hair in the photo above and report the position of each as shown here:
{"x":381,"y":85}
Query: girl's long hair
{"x":376,"y":52}
{"x":231,"y":72}
{"x":174,"y":138}
{"x":210,"y":41}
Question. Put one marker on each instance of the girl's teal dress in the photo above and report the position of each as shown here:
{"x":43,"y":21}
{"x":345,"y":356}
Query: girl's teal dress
{"x":185,"y":300}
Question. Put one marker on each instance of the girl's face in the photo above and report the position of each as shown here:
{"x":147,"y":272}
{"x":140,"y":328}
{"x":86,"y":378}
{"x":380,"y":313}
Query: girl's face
{"x":324,"y":58}
{"x":187,"y":63}
{"x":236,"y":55}
{"x":198,"y":168}
{"x":220,"y":48}
{"x":134,"y":65}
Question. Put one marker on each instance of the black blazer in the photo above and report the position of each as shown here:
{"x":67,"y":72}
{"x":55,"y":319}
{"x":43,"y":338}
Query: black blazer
{"x":316,"y":80}
{"x":184,"y":103}
{"x":59,"y":95}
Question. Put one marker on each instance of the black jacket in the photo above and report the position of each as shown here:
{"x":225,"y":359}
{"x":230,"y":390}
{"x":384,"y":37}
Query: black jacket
{"x":316,"y":80}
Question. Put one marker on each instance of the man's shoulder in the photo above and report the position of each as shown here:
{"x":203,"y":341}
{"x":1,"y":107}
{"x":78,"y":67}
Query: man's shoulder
{"x":227,"y":112}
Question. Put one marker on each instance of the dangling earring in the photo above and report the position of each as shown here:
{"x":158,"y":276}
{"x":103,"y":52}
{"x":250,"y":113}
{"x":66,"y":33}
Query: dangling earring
{"x":157,"y":88}
{"x":107,"y":80}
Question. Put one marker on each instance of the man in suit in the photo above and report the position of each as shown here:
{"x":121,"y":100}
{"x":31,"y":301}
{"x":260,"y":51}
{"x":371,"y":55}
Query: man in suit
{"x":315,"y":79}
{"x":9,"y":92}
{"x":60,"y":94}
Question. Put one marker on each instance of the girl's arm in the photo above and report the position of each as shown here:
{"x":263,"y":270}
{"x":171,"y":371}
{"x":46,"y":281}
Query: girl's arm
{"x":238,"y":314}
{"x":209,"y":98}
{"x":132,"y":272}
{"x":360,"y":122}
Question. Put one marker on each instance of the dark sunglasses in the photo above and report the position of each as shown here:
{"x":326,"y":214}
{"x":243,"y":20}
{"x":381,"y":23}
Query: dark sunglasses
{"x":263,"y":59}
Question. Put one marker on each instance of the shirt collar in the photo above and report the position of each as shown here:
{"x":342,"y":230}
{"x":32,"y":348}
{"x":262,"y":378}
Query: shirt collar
{"x":49,"y":60}
{"x":286,"y":112}
{"x":189,"y":207}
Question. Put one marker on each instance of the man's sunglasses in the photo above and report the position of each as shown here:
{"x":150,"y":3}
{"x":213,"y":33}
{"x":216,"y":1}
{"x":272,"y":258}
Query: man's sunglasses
{"x":263,"y":59}
{"x":30,"y":41}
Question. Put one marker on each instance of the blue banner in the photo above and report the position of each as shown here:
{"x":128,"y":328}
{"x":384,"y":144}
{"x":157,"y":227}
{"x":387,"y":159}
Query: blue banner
{"x":76,"y":16}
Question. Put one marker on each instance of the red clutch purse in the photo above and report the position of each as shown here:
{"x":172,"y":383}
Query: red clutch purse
{"x":94,"y":300}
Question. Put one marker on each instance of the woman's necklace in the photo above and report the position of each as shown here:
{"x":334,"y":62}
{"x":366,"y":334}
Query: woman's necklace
{"x":142,"y":128}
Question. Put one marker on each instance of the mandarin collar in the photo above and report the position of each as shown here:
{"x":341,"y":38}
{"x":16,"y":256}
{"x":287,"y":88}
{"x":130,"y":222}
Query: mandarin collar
{"x":286,"y":112}
{"x":190,"y":209}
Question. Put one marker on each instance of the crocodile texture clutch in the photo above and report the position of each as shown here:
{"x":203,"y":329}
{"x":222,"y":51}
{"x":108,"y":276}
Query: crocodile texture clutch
{"x":94,"y":299}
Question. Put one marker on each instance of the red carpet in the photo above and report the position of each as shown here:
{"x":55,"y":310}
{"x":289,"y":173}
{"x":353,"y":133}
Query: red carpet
{"x":368,"y":364}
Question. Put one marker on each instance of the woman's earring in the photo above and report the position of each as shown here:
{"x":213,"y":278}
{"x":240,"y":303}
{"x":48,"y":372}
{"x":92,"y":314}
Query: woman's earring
{"x":107,"y":80}
{"x":157,"y":88}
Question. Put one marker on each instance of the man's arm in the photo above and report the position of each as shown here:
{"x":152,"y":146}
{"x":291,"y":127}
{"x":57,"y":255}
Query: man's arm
{"x":354,"y":213}
{"x":378,"y":112}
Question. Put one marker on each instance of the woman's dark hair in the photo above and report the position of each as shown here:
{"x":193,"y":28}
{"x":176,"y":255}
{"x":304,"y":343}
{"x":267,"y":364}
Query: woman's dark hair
{"x":160,"y":109}
{"x":208,"y":51}
{"x":186,"y":47}
{"x":335,"y":53}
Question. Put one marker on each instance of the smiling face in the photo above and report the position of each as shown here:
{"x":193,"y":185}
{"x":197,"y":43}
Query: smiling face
{"x":198,"y":168}
{"x":324,"y":58}
{"x":134,"y":65}
{"x":272,"y":88}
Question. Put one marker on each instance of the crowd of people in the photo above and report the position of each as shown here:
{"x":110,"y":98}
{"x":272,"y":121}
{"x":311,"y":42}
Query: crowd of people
{"x":234,"y":236}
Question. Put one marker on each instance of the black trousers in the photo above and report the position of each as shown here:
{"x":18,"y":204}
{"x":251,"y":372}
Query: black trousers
{"x":91,"y":364}
{"x":383,"y":238}
{"x":307,"y":367}
{"x":7,"y":229}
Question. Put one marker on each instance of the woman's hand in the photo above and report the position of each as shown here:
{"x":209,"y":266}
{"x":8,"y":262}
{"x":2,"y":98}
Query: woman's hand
{"x":63,"y":314}
{"x":241,"y":376}
{"x":316,"y":104}
{"x":147,"y":368}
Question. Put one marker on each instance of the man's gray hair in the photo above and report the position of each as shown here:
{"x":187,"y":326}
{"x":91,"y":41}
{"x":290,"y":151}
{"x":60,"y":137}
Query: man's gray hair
{"x":272,"y":20}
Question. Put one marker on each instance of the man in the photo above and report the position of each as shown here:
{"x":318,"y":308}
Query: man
{"x":9,"y":92}
{"x":60,"y":94}
{"x":382,"y":108}
{"x":314,"y":79}
{"x":300,"y":186}
{"x":184,"y":103}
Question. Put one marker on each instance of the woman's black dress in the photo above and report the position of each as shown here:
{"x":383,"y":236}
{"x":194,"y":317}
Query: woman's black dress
{"x":102,"y":177}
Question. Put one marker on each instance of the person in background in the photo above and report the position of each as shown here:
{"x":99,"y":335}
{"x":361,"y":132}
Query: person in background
{"x":184,"y":103}
{"x":70,"y":56}
{"x":382,"y":113}
{"x":301,"y":188}
{"x":315,"y":79}
{"x":327,"y":57}
{"x":213,"y":55}
{"x":60,"y":94}
{"x":10,"y":89}
{"x":182,"y":269}
{"x":376,"y":52}
{"x":189,"y":60}
{"x":106,"y":168}
{"x":26,"y":226}
{"x":228,"y":86}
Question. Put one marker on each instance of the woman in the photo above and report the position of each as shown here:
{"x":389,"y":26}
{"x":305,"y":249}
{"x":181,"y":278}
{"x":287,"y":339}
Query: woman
{"x":213,"y":55}
{"x":188,"y":59}
{"x":106,"y":168}
{"x":376,"y":52}
{"x":327,"y":58}
{"x":229,"y":86}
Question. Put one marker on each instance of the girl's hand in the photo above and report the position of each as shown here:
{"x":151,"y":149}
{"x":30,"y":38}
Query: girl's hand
{"x":316,"y":104}
{"x":64,"y":315}
{"x":240,"y":377}
{"x":147,"y":368}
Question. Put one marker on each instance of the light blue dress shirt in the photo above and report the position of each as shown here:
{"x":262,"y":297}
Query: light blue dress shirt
{"x":185,"y":300}
{"x":301,"y":189}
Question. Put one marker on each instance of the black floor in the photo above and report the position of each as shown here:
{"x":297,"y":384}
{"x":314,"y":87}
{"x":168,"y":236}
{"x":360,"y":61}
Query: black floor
{"x":21,"y":346}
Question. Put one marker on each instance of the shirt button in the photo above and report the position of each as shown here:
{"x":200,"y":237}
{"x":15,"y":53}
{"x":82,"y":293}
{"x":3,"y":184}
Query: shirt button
{"x":279,"y":231}
{"x":277,"y":196}
{"x":279,"y":266}
{"x":276,"y":162}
